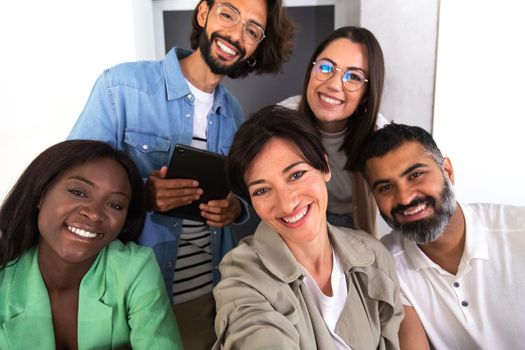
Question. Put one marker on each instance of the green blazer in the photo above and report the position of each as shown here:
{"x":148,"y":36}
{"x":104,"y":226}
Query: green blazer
{"x":122,"y":302}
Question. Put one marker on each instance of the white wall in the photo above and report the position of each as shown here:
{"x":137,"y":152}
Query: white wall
{"x":479,"y":119}
{"x":52,"y":52}
{"x":407,"y":32}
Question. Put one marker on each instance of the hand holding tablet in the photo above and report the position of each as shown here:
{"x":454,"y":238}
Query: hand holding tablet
{"x":203,"y":166}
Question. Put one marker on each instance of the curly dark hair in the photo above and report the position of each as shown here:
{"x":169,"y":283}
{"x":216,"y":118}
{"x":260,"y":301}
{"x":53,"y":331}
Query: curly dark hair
{"x":273,"y":51}
{"x":19,"y":212}
{"x":361,"y":123}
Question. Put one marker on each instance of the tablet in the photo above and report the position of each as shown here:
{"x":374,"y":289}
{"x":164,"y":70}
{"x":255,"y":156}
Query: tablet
{"x":204,"y":166}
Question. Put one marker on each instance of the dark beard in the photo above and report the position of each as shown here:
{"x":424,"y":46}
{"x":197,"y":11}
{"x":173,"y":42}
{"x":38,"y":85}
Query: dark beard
{"x":426,"y":230}
{"x":234,"y":70}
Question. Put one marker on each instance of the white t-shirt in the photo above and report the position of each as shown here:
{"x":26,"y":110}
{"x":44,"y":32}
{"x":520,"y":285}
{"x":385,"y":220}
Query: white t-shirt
{"x":193,"y":275}
{"x":201,"y":110}
{"x":483,"y":305}
{"x":330,"y":307}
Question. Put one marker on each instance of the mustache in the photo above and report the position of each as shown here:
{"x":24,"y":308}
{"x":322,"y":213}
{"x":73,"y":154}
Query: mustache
{"x":416,"y":201}
{"x":235,"y":44}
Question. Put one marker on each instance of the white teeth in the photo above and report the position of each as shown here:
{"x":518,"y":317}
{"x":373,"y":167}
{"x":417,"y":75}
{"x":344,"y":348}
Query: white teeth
{"x":330,"y":100}
{"x":226,"y":48}
{"x":296,"y":217}
{"x":414,"y":210}
{"x":81,"y":232}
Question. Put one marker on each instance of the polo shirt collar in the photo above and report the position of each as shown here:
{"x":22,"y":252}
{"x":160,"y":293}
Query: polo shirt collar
{"x":475,"y":243}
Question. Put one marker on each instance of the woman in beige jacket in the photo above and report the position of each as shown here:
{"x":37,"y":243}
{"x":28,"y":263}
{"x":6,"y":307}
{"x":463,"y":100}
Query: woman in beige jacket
{"x":299,"y":283}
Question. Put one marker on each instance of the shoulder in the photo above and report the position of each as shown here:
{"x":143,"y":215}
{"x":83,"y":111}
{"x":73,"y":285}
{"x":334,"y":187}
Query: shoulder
{"x":230,"y":104}
{"x":291,"y":102}
{"x":393,"y":243}
{"x":128,"y":257}
{"x":241,"y":260}
{"x":243,"y":269}
{"x":140,"y":75}
{"x":23,"y":263}
{"x":362,"y":249}
{"x":496,"y":216}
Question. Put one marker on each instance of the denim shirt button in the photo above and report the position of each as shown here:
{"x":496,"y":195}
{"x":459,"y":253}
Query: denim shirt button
{"x":188,"y":115}
{"x":211,"y":122}
{"x":145,"y":147}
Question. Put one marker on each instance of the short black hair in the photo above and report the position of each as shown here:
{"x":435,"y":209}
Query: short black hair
{"x":19,"y":212}
{"x":391,"y":137}
{"x":267,"y":123}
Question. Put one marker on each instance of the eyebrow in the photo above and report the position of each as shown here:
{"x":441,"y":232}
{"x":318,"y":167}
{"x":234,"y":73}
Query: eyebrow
{"x":239,"y":12}
{"x":91,"y":184}
{"x":404,"y":173}
{"x":285,"y":170}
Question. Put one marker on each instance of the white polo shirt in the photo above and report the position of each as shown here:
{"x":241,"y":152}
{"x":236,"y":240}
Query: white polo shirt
{"x":483,"y":305}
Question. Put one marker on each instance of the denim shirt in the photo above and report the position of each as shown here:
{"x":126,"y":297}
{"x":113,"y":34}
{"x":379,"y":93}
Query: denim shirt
{"x":144,"y":109}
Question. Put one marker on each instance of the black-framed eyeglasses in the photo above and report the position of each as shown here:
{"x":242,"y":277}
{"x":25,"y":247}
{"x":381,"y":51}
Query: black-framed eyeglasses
{"x":229,"y":16}
{"x":353,"y":79}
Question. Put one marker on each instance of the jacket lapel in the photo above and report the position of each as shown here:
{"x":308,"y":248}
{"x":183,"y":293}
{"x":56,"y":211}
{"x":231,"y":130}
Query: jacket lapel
{"x":94,"y":316}
{"x":30,"y":325}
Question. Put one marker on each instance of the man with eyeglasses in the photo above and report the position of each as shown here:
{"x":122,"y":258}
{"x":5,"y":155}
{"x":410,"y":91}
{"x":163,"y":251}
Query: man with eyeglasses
{"x":145,"y":108}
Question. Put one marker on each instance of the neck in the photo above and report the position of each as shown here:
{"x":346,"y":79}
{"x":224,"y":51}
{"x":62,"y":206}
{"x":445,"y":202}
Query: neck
{"x":333,"y":127}
{"x":196,"y":70}
{"x":61,"y":276}
{"x":316,"y":258}
{"x":447,"y":250}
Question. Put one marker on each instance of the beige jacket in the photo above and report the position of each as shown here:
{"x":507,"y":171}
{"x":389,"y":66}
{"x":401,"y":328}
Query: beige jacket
{"x":262,"y":302}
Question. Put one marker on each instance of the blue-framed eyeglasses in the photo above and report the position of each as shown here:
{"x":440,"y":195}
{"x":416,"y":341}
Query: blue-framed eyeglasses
{"x":353,"y":79}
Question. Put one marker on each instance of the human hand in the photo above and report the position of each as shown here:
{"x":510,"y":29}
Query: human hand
{"x":166,"y":194}
{"x":219,"y":213}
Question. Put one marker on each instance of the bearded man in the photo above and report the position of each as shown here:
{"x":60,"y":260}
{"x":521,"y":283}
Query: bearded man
{"x":146,"y":108}
{"x":461,"y":266}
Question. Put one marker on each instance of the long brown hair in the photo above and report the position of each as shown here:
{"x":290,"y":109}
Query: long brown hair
{"x":361,"y":123}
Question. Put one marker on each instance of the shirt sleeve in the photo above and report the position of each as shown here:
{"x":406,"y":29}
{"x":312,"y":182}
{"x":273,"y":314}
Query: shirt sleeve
{"x":150,"y":316}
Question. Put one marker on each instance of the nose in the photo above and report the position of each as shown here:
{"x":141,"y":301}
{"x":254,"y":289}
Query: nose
{"x":335,"y":82}
{"x":288,"y":200}
{"x":405,"y":194}
{"x":93,"y":211}
{"x":236,"y":32}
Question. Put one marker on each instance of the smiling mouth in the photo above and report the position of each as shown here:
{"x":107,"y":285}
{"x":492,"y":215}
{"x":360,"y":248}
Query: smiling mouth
{"x":330,"y":100}
{"x":82,"y":233}
{"x":296,"y":217}
{"x":226,"y":49}
{"x":415,"y":209}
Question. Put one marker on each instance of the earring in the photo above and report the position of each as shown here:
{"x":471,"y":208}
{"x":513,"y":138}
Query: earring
{"x":251,"y":61}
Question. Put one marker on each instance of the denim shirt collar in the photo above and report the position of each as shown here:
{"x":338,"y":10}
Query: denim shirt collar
{"x":176,"y":86}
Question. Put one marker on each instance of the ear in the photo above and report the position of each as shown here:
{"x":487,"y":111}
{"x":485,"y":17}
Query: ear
{"x":328,"y":175}
{"x":202,"y":13}
{"x":448,"y":169}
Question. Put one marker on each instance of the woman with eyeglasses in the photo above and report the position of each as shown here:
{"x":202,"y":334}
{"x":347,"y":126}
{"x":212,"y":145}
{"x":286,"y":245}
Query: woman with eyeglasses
{"x":341,"y":96}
